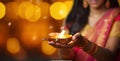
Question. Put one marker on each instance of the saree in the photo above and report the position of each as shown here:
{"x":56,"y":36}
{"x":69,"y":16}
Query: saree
{"x":99,"y":33}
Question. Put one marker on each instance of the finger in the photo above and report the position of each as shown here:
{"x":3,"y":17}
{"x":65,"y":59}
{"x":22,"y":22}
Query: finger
{"x":59,"y":45}
{"x":71,"y":43}
{"x":56,"y":45}
{"x":75,"y":36}
{"x":52,"y":43}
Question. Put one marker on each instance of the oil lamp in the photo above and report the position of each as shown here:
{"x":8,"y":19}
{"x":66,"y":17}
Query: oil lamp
{"x":62,"y":37}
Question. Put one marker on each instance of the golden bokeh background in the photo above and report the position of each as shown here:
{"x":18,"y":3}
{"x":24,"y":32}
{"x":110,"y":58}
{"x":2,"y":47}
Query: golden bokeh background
{"x":25,"y":25}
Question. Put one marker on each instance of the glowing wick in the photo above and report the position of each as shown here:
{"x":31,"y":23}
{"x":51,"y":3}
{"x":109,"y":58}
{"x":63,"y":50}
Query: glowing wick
{"x":62,"y":34}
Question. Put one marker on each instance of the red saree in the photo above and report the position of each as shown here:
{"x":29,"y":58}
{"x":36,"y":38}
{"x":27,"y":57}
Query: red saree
{"x":98,"y":34}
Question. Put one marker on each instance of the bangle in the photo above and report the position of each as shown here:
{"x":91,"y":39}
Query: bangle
{"x":87,"y":47}
{"x":93,"y":49}
{"x":86,"y":42}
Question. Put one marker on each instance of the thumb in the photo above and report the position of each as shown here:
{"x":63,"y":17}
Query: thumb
{"x":76,"y":36}
{"x":73,"y":41}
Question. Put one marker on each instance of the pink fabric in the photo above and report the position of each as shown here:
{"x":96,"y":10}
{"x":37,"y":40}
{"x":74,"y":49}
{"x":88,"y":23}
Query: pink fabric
{"x":117,"y":18}
{"x":80,"y":55}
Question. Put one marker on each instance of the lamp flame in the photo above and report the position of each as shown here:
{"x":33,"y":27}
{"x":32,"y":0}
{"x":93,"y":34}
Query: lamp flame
{"x":62,"y":33}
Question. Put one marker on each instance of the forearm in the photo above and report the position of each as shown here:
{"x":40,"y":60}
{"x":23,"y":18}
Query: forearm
{"x":66,"y":53}
{"x":103,"y":54}
{"x":99,"y":53}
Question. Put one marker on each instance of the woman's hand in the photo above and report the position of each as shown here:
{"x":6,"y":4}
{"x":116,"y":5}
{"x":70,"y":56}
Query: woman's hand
{"x":65,"y":50}
{"x":76,"y":38}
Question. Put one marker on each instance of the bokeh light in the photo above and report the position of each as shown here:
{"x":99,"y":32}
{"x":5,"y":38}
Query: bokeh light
{"x":18,"y":0}
{"x":45,"y":8}
{"x":13,"y":45}
{"x":21,"y":8}
{"x":31,"y":34}
{"x":2,"y":10}
{"x":69,"y":5}
{"x":58,"y":10}
{"x":11,"y":8}
{"x":27,"y":10}
{"x":32,"y":13}
{"x":61,"y":0}
{"x":25,"y":26}
{"x":36,"y":2}
{"x":47,"y":49}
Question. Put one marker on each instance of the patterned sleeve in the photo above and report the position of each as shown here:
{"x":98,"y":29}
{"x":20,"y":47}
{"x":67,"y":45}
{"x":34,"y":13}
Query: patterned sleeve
{"x":115,"y":32}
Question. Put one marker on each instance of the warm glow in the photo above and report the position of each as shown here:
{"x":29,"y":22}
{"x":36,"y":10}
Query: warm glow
{"x":59,"y":0}
{"x":47,"y":49}
{"x":69,"y":5}
{"x":2,"y":10}
{"x":45,"y":10}
{"x":21,"y":8}
{"x":13,"y":45}
{"x":18,"y":1}
{"x":4,"y":34}
{"x":32,"y":13}
{"x":62,"y":34}
{"x":11,"y":10}
{"x":31,"y":34}
{"x":37,"y":2}
{"x":28,"y":11}
{"x":58,"y":10}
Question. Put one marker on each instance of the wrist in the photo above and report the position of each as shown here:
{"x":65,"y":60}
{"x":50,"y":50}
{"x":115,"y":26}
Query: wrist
{"x":87,"y":46}
{"x":82,"y":42}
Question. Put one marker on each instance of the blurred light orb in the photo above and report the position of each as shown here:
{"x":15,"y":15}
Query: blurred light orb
{"x":69,"y":5}
{"x":30,"y":0}
{"x":11,"y":8}
{"x":58,"y":10}
{"x":61,"y":0}
{"x":2,"y":10}
{"x":36,"y":2}
{"x":32,"y":13}
{"x":48,"y":49}
{"x":27,"y":10}
{"x":13,"y":45}
{"x":18,"y":0}
{"x":45,"y":8}
{"x":31,"y":34}
{"x":21,"y":8}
